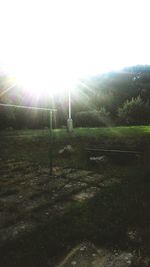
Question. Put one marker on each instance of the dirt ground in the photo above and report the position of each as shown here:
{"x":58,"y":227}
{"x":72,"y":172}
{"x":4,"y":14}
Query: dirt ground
{"x":87,"y":255}
{"x":29,"y":192}
{"x":29,"y":196}
{"x":43,"y":217}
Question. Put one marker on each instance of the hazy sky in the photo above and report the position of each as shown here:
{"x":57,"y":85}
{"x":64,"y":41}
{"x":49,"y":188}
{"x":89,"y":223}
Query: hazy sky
{"x":45,"y":39}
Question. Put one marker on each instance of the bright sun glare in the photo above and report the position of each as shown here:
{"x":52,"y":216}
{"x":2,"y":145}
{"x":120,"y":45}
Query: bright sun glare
{"x":49,"y":44}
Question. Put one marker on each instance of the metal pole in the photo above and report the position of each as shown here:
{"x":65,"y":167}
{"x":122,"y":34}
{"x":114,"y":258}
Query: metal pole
{"x":69,"y":96}
{"x":69,"y":121}
{"x":51,"y":142}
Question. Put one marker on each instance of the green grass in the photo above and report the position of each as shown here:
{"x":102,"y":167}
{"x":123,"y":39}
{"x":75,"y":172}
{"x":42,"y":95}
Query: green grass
{"x":34,"y":145}
{"x":119,"y":132}
{"x":113,"y":131}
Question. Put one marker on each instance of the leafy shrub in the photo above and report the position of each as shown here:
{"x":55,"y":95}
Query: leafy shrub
{"x":134,"y":111}
{"x":92,"y":118}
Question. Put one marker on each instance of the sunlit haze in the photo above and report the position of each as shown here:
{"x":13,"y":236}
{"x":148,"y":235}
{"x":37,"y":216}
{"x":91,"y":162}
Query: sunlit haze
{"x":49,"y":44}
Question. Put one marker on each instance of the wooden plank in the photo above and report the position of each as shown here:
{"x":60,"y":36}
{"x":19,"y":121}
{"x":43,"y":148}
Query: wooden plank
{"x":112,"y":150}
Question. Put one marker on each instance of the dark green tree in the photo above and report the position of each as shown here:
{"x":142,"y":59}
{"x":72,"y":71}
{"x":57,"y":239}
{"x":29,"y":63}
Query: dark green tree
{"x":134,"y":111}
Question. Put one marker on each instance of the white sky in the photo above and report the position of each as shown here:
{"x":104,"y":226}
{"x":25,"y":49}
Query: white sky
{"x":41,"y":40}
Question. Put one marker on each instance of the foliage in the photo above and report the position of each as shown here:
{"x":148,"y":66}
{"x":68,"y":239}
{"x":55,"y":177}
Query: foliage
{"x":92,"y":118}
{"x":134,"y":111}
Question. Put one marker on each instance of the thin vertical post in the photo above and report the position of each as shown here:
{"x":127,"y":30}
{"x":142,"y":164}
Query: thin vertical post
{"x":69,"y":121}
{"x":51,"y":141}
{"x":69,"y":95}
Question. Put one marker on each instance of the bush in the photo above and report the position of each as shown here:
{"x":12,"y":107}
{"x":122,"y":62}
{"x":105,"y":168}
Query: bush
{"x":92,"y":118}
{"x":134,"y":111}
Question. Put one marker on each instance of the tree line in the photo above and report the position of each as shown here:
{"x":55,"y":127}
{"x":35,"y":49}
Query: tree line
{"x":114,"y":98}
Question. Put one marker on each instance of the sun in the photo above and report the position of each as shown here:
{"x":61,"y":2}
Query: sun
{"x":45,"y":81}
{"x":47,"y":45}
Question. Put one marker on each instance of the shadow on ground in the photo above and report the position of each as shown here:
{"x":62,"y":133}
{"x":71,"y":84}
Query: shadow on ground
{"x":42,"y":218}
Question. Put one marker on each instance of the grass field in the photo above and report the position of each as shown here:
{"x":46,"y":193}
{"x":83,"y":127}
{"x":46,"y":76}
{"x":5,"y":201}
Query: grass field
{"x":120,"y":131}
{"x":35,"y":145}
{"x":43,"y":216}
